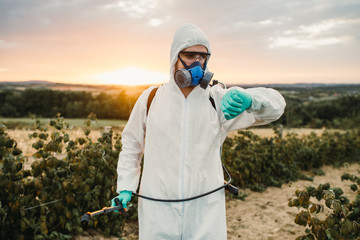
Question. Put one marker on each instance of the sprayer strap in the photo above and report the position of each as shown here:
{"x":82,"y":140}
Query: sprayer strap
{"x":212,"y":102}
{"x":150,"y":98}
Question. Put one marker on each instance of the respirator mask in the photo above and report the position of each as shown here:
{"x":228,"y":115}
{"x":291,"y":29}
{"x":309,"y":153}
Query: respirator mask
{"x":194,"y":74}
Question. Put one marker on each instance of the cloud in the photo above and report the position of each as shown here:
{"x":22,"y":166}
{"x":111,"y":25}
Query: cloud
{"x":308,"y":43}
{"x":155,"y":22}
{"x":32,"y":16}
{"x":5,"y":44}
{"x":318,"y":28}
{"x":266,"y":22}
{"x":135,"y":9}
{"x":326,"y":32}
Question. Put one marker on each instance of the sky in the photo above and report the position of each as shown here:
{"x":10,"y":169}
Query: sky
{"x":128,"y":41}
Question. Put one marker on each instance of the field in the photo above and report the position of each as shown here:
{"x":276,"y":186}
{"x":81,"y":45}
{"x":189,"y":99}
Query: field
{"x":21,"y":134}
{"x":262,"y":215}
{"x":29,"y":123}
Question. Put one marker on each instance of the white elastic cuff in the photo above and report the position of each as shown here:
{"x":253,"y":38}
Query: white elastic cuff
{"x":255,"y":105}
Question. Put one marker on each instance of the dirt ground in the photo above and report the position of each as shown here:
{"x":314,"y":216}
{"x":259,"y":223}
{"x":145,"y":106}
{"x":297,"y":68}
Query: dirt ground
{"x":266,"y":215}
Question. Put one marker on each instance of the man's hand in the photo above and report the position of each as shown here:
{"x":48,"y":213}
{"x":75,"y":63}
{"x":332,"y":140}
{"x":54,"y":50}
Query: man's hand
{"x":235,"y":102}
{"x":124,"y":197}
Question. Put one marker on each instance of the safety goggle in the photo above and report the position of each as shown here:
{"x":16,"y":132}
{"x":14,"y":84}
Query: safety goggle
{"x":189,"y":56}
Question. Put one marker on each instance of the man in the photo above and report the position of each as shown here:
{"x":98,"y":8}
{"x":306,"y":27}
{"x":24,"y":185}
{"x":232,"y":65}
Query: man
{"x":181,"y":137}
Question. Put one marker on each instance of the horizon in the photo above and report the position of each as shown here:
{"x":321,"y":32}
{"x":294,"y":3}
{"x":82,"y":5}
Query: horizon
{"x":128,"y":43}
{"x":46,"y":82}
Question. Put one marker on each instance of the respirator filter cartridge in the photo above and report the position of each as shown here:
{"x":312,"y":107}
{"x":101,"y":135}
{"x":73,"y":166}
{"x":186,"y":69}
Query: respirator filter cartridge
{"x":182,"y":78}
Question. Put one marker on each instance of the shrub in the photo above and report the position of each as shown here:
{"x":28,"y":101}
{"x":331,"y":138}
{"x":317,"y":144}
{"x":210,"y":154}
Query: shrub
{"x":256,"y":162}
{"x":342,"y":223}
{"x":73,"y":176}
{"x":59,"y":189}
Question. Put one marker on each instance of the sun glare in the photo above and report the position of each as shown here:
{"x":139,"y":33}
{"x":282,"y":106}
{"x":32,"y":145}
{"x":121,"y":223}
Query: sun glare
{"x":131,"y":76}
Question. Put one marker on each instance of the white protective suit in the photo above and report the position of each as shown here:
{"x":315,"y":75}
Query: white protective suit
{"x":181,"y":139}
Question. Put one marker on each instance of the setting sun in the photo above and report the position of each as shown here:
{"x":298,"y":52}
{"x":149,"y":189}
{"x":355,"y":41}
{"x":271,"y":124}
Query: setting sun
{"x":132,"y":76}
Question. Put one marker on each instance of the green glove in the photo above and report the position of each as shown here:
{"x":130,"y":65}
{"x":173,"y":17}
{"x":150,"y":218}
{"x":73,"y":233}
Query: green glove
{"x":234,"y":103}
{"x":124,"y":197}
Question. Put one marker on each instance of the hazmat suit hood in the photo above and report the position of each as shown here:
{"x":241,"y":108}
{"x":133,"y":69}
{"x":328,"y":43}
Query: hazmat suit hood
{"x":186,"y":36}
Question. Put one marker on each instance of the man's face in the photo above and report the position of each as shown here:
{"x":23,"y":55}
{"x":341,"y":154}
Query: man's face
{"x":196,"y":48}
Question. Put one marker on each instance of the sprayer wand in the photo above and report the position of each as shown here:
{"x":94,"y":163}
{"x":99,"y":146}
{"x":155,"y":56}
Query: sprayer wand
{"x":86,"y":217}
